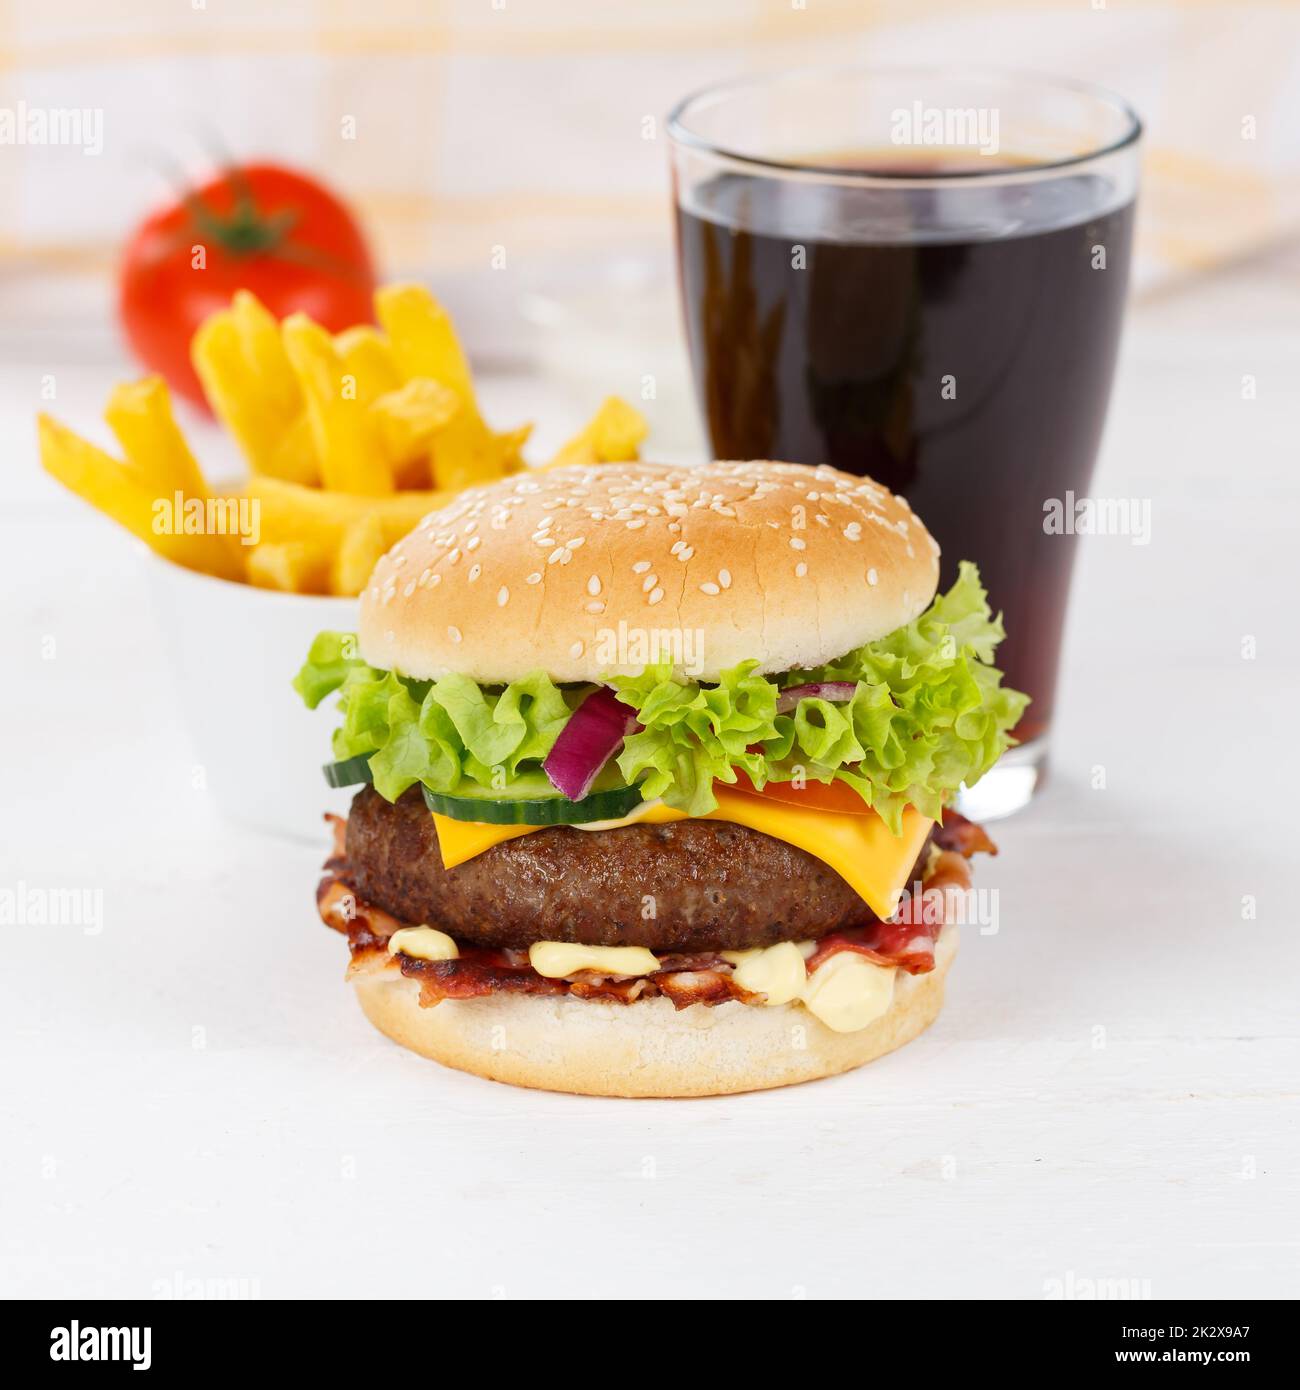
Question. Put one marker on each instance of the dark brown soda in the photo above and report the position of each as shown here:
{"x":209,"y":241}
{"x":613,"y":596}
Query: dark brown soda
{"x":967,"y":368}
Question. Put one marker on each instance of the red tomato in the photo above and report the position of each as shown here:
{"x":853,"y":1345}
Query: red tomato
{"x":261,"y":228}
{"x":814,"y":796}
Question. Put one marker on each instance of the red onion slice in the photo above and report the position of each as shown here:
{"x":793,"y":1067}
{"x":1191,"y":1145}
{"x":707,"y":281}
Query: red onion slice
{"x":837,"y":692}
{"x":592,"y":736}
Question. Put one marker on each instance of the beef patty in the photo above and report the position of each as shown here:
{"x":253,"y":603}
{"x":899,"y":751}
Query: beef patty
{"x":690,"y":885}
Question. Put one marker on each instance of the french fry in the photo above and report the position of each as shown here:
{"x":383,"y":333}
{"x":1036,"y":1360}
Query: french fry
{"x":612,"y":435}
{"x":346,"y":437}
{"x":358,"y":553}
{"x":124,"y":494}
{"x":510,"y":448}
{"x":295,"y":459}
{"x":261,"y":418}
{"x":296,"y":567}
{"x":408,"y":418}
{"x":465,"y":451}
{"x":424,"y":341}
{"x":140,"y":414}
{"x":368,"y":359}
{"x":259,"y":336}
{"x":290,"y":512}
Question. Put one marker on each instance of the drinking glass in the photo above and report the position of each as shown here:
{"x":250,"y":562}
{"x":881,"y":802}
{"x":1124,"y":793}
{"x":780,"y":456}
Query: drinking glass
{"x":920,"y":276}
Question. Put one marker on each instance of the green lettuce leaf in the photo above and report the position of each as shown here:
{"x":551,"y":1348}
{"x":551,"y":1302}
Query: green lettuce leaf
{"x":695,"y":734}
{"x":929,"y":712}
{"x":441,"y":733}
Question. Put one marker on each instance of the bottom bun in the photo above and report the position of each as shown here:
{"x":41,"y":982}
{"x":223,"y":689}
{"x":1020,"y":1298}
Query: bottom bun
{"x":647,"y":1048}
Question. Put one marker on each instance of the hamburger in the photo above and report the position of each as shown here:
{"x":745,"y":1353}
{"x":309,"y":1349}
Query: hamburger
{"x":656,"y":767}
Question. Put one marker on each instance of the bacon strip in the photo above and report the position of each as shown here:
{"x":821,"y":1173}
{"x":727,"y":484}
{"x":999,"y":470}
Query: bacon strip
{"x":469,"y":977}
{"x":964,"y":836}
{"x":886,"y":943}
{"x":907,"y":939}
{"x":687,"y":987}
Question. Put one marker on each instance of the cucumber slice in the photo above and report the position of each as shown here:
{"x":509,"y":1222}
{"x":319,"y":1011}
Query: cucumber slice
{"x":350,"y":772}
{"x":517,"y":807}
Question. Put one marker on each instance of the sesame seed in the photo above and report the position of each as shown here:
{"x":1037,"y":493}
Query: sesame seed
{"x":853,"y":531}
{"x":534,"y":578}
{"x":576,"y":649}
{"x":724,"y":578}
{"x":636,"y":524}
{"x":398,"y":561}
{"x":800,"y":570}
{"x":503,"y":596}
{"x":798,"y":543}
{"x":453,"y":555}
{"x":454,"y":633}
{"x":574,"y":542}
{"x":709,"y":588}
{"x":473,"y":543}
{"x":593,"y":585}
{"x":641,"y":566}
{"x":556,"y":555}
{"x":649,"y":582}
{"x":656,"y":595}
{"x":474,"y":572}
{"x":872,"y":577}
{"x":595,"y":606}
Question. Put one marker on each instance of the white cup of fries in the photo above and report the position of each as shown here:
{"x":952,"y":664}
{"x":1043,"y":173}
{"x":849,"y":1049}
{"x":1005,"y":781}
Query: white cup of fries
{"x":234,"y":650}
{"x":350,"y":440}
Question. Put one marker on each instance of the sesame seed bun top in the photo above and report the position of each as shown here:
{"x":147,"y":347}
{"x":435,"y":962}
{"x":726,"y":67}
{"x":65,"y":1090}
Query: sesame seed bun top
{"x":596,"y":571}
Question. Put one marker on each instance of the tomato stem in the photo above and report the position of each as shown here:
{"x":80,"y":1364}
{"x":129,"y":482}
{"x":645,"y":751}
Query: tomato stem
{"x":246,"y":231}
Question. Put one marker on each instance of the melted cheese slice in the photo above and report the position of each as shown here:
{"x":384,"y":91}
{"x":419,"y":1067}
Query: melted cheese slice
{"x":861,"y":849}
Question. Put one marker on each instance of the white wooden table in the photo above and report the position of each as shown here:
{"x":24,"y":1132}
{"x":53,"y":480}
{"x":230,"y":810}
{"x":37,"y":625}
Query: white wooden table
{"x":191,"y":1102}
